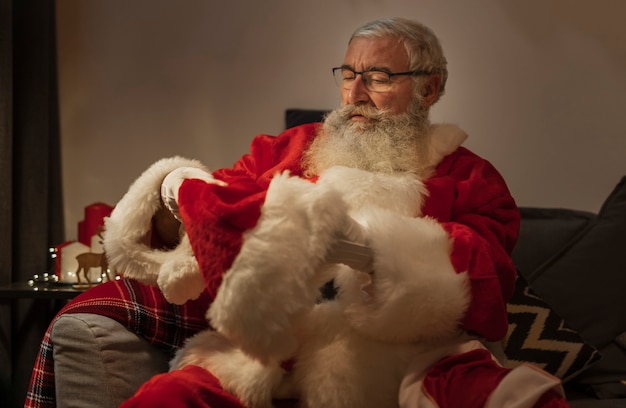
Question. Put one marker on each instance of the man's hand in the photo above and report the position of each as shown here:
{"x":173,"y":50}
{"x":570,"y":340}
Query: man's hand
{"x":352,"y":248}
{"x":165,"y":233}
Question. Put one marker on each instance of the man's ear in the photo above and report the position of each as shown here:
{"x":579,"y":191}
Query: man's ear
{"x":431,"y":89}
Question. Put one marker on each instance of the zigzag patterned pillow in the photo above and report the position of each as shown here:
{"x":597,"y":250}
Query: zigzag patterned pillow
{"x":537,"y":335}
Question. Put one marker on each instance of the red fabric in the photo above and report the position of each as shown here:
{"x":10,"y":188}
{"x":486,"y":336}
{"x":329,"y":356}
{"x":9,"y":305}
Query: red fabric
{"x":466,"y":194}
{"x":471,"y":200}
{"x":448,"y":382}
{"x":144,"y":310}
{"x":215,"y":217}
{"x":467,"y":380}
{"x":191,"y":387}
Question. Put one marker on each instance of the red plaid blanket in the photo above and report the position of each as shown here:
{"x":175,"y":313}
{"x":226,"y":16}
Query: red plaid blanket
{"x":141,"y":308}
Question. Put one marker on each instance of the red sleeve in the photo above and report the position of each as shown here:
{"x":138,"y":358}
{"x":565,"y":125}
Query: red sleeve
{"x":471,"y":200}
{"x":215,"y":217}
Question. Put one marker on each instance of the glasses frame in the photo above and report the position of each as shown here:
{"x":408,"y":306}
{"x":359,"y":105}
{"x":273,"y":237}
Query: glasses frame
{"x":418,"y":72}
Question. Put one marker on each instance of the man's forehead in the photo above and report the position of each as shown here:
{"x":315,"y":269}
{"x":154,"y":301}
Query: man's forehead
{"x":386,"y":53}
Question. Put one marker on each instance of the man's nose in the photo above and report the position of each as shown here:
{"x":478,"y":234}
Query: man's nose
{"x":358,"y":93}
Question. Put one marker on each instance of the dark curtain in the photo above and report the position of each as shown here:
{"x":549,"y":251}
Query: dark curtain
{"x":31,"y":208}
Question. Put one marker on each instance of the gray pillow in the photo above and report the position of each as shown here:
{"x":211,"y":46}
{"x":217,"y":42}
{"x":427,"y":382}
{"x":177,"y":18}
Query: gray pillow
{"x":98,"y":362}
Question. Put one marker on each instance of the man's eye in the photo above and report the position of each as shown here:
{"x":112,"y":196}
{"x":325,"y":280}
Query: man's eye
{"x":378,"y":77}
{"x":348,"y":75}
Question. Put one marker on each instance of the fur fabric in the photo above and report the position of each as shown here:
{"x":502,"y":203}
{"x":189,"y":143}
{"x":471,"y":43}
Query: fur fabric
{"x":352,"y":351}
{"x":273,"y":278}
{"x":176,"y":271}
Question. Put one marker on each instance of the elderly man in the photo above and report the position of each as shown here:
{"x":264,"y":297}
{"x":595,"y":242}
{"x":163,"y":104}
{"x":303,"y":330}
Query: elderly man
{"x":377,"y":190}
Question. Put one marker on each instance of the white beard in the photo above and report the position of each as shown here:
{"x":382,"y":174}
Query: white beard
{"x":384,"y":143}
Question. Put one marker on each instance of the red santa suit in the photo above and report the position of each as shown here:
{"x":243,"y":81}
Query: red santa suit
{"x":462,"y":209}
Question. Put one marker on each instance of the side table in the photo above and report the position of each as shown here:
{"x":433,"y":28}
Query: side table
{"x":22,"y":290}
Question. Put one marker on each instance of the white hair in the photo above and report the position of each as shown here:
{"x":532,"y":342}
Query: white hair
{"x":422,"y":45}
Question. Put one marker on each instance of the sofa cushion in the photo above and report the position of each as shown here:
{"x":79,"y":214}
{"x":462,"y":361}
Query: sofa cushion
{"x":295,"y":117}
{"x":545,"y":232}
{"x":586,"y":284}
{"x":539,"y":336}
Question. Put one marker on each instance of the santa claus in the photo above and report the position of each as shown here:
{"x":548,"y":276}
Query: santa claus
{"x":413,"y":230}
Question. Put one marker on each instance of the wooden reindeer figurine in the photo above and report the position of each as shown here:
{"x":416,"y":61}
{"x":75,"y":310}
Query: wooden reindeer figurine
{"x":89,"y":260}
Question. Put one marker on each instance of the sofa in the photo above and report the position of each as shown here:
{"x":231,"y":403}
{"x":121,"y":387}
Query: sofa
{"x":571,"y":287}
{"x":568,"y":316}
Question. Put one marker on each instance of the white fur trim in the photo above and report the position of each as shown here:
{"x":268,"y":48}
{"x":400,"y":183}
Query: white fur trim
{"x":415,"y":293}
{"x":413,"y":279}
{"x":128,"y":225}
{"x":444,"y":139}
{"x":273,"y":278}
{"x":401,"y":193}
{"x":249,"y":380}
{"x":338,"y":367}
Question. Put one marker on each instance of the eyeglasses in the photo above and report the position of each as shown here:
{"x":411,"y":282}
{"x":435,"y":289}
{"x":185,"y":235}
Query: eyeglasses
{"x":374,"y":80}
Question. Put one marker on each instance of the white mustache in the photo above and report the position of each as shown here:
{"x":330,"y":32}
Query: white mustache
{"x":367,"y":111}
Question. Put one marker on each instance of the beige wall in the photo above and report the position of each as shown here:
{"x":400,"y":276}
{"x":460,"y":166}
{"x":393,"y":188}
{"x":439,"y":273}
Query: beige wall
{"x":539,"y":85}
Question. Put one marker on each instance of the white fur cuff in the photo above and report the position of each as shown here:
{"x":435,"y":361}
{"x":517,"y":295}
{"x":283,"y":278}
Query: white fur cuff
{"x":416,"y":295}
{"x":127,"y":227}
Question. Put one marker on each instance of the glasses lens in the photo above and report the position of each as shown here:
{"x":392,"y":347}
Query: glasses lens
{"x":343,"y":77}
{"x":377,"y":81}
